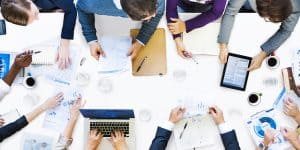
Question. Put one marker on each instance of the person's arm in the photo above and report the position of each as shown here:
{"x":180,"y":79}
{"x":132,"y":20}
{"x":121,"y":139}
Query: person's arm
{"x":207,"y":17}
{"x":162,"y":137}
{"x":70,"y":15}
{"x":148,"y":28}
{"x":292,"y":136}
{"x":284,"y":32}
{"x":87,"y":21}
{"x":172,"y":12}
{"x":16,"y":126}
{"x":228,"y":18}
{"x":164,"y":132}
{"x":65,"y":139}
{"x":228,"y":135}
{"x":22,"y":60}
{"x":291,"y":109}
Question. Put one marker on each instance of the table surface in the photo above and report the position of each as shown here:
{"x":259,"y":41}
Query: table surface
{"x":156,"y":94}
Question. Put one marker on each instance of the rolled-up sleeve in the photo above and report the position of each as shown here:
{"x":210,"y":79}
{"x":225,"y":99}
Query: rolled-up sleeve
{"x":4,"y":89}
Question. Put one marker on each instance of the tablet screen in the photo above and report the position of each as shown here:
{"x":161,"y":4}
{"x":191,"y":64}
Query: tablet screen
{"x":235,"y":73}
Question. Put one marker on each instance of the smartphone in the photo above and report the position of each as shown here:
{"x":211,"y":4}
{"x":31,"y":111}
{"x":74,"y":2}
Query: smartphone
{"x":2,"y":27}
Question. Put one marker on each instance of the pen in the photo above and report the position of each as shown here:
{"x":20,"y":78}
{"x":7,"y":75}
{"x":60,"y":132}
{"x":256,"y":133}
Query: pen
{"x":141,"y":64}
{"x":194,"y":60}
{"x":37,"y":52}
{"x":185,"y":125}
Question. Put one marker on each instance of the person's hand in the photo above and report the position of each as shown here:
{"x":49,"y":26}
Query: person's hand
{"x":257,"y":61}
{"x":291,"y":108}
{"x":24,"y":59}
{"x":96,"y":50}
{"x":134,"y":50}
{"x":95,"y":138}
{"x":217,"y":114}
{"x":181,"y":49}
{"x":74,"y":110}
{"x":269,"y":137}
{"x":177,"y":26}
{"x":2,"y":122}
{"x":63,"y":55}
{"x":176,"y":114}
{"x":290,"y":134}
{"x":223,"y":54}
{"x":53,"y":101}
{"x":118,"y":140}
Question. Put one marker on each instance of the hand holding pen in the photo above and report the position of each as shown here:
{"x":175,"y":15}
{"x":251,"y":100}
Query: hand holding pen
{"x":216,"y":114}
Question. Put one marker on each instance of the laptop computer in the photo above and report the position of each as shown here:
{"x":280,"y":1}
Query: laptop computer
{"x":108,"y":120}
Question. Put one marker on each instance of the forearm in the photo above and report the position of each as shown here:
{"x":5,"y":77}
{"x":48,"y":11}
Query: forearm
{"x":87,"y":22}
{"x":296,"y":144}
{"x":36,"y":112}
{"x":11,"y":75}
{"x":148,"y":28}
{"x":68,"y":132}
{"x":228,"y":19}
{"x":297,"y":118}
{"x":206,"y":17}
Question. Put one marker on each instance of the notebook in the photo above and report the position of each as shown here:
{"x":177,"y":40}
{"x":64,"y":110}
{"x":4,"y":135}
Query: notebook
{"x":46,"y":57}
{"x":153,"y":54}
{"x":203,"y":41}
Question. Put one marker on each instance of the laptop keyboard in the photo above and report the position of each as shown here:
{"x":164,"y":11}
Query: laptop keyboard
{"x":106,"y":128}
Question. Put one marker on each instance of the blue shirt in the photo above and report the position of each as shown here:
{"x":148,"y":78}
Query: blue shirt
{"x":70,"y":14}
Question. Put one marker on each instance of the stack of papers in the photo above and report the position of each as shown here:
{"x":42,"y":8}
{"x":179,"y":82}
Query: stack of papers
{"x":116,"y":59}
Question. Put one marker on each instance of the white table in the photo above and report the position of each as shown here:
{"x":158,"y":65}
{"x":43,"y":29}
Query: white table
{"x":157,"y":94}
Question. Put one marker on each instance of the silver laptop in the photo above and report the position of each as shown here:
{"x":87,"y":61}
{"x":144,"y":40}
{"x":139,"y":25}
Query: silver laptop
{"x":108,"y":120}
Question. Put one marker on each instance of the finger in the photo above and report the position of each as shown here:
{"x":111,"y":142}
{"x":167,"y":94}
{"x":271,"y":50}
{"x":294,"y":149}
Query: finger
{"x":103,"y":54}
{"x":251,"y":68}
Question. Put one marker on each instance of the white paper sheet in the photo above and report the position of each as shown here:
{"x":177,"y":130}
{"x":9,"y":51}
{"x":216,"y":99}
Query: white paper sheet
{"x":115,"y":49}
{"x":57,"y":118}
{"x":37,"y":142}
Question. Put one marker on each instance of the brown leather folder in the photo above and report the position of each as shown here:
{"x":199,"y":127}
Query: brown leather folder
{"x":152,"y":59}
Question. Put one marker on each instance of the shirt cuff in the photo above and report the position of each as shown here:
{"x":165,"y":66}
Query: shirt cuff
{"x":63,"y":142}
{"x":167,"y":125}
{"x":140,"y":42}
{"x":224,"y":128}
{"x":90,"y":42}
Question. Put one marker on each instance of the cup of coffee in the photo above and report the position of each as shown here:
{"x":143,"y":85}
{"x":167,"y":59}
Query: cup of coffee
{"x":273,"y":62}
{"x":254,"y":99}
{"x":29,"y":82}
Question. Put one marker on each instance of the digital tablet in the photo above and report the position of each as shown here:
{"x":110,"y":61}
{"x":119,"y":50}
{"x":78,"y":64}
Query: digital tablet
{"x":235,"y":74}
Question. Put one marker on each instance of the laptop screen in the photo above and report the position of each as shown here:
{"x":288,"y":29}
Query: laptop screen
{"x":107,"y":113}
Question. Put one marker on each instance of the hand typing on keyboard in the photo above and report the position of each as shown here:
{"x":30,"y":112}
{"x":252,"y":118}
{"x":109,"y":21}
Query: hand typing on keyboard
{"x":95,"y":139}
{"x":118,"y":140}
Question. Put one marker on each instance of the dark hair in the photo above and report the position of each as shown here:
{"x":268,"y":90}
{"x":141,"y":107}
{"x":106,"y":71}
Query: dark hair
{"x":275,"y":10}
{"x":139,"y":9}
{"x":16,"y":11}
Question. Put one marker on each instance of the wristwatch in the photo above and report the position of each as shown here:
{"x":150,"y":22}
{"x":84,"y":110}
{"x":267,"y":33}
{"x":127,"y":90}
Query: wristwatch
{"x":262,"y":146}
{"x":298,"y":129}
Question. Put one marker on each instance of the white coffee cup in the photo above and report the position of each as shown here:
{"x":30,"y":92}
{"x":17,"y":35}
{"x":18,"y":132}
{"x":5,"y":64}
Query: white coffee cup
{"x":29,"y":82}
{"x":273,"y":62}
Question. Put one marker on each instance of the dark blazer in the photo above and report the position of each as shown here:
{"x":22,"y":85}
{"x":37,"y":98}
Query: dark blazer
{"x":70,"y":14}
{"x":162,"y":137}
{"x":12,"y":128}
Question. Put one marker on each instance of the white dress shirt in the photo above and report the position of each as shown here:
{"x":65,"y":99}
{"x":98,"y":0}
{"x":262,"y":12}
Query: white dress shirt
{"x":4,"y":89}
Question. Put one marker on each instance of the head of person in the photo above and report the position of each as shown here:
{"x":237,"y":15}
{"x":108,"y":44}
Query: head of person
{"x":274,"y":11}
{"x":20,"y":12}
{"x":139,"y":10}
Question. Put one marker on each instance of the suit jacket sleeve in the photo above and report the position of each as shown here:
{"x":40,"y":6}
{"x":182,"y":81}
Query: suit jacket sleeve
{"x":230,"y":141}
{"x":161,"y":139}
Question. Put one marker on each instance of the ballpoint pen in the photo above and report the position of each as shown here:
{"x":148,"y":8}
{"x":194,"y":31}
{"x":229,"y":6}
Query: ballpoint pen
{"x":141,"y":64}
{"x":185,"y":125}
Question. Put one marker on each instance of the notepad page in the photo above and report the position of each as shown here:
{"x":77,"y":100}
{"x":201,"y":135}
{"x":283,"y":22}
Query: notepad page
{"x":46,"y":57}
